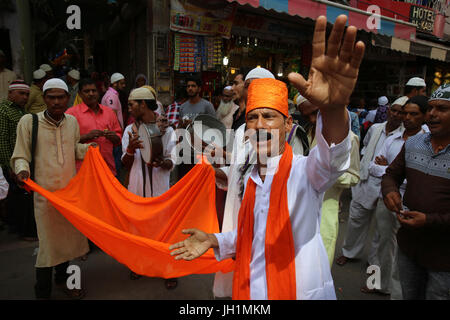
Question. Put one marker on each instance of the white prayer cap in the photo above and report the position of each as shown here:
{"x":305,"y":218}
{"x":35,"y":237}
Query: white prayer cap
{"x":141,"y":94}
{"x":299,"y":99}
{"x":39,"y":74}
{"x":382,"y":101}
{"x":55,"y":83}
{"x":75,"y":74}
{"x":401,"y":101}
{"x":45,"y":67}
{"x":259,"y":73}
{"x":416,"y":82}
{"x":228,"y":88}
{"x":116,"y":77}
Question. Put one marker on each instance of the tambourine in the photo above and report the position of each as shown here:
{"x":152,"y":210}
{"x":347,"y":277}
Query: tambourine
{"x":151,"y":141}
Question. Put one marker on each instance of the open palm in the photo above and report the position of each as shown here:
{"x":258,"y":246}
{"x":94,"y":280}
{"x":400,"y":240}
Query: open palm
{"x":193,"y":247}
{"x":334,"y":70}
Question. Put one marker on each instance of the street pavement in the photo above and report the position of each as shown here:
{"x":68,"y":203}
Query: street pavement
{"x":106,"y":279}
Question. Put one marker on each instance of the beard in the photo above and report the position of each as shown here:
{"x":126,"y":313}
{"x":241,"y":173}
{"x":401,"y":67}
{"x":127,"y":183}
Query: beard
{"x":224,"y":108}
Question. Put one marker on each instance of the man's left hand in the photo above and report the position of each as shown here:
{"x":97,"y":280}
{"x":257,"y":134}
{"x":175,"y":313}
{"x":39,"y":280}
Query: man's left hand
{"x":334,"y":67}
{"x":413,"y":219}
{"x":112,"y":136}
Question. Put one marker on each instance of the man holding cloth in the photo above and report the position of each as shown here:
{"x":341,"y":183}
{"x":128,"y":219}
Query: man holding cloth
{"x":97,"y":123}
{"x":278,"y":248}
{"x":57,"y":148}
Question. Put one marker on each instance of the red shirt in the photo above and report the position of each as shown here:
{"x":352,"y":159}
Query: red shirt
{"x":88,"y":120}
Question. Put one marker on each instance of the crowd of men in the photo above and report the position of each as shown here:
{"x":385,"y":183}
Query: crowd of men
{"x":395,"y":158}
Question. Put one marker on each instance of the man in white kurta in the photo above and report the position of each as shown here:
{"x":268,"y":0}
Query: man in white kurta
{"x":156,"y":176}
{"x":310,"y":177}
{"x":329,"y":86}
{"x":57,"y":148}
{"x":365,"y":193}
{"x":387,"y":223}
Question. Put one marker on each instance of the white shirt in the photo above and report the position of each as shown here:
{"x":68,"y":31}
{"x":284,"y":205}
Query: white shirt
{"x":309,"y":178}
{"x":160,"y":177}
{"x":391,"y":148}
{"x":4,"y":186}
{"x":366,"y":191}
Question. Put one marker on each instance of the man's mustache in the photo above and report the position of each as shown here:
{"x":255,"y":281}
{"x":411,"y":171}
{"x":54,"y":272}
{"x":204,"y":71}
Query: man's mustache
{"x":260,"y":135}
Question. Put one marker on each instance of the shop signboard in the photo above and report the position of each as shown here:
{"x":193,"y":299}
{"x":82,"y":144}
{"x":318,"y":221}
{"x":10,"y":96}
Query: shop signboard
{"x":212,"y":20}
{"x":423,"y":18}
{"x":429,"y":18}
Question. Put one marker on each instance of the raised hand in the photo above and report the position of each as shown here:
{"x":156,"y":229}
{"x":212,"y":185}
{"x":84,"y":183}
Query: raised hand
{"x":193,"y":247}
{"x":334,"y":70}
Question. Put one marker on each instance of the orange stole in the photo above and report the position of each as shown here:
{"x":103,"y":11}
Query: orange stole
{"x":138,"y":231}
{"x":279,"y":244}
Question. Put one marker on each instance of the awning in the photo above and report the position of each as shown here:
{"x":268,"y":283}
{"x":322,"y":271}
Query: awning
{"x":356,"y":17}
{"x":418,"y":47}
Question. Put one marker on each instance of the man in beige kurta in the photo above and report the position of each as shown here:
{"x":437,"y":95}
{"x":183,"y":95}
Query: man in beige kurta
{"x":57,"y":148}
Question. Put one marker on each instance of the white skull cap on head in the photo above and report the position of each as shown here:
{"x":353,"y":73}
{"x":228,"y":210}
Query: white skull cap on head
{"x":416,"y":82}
{"x":39,"y":74}
{"x":141,"y":94}
{"x":45,"y":67}
{"x":75,"y":74}
{"x":116,"y":77}
{"x":259,"y":73}
{"x":382,"y":101}
{"x":55,"y":83}
{"x":401,"y":101}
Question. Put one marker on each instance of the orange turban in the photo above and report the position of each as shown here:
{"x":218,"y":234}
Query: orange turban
{"x":267,"y":93}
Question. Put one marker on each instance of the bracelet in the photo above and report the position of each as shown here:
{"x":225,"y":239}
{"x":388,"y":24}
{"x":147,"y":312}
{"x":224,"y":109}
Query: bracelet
{"x":130,"y":153}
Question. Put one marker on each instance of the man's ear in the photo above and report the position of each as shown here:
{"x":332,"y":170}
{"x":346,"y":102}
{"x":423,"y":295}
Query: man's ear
{"x":288,"y":124}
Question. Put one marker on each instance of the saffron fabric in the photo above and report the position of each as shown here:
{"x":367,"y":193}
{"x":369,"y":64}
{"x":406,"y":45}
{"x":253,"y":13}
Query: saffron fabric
{"x":279,"y":242}
{"x":267,"y":93}
{"x":138,"y":231}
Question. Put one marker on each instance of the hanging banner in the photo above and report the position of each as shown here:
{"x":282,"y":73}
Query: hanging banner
{"x":215,"y":20}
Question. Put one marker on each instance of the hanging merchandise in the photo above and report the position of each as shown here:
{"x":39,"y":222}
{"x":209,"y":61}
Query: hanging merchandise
{"x":176,"y":58}
{"x":187,"y":53}
{"x":210,"y":51}
{"x":217,"y":51}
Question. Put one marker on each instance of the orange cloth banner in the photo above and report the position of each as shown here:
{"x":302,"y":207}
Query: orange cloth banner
{"x":138,"y":231}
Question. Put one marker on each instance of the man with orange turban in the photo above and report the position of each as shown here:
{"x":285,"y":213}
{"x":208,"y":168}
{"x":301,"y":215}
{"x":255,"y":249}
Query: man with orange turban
{"x":277,"y":245}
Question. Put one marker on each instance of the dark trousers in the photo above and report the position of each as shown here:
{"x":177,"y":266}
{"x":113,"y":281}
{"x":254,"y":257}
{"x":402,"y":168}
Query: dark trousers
{"x":43,"y":286}
{"x":117,"y":153}
{"x":20,"y":210}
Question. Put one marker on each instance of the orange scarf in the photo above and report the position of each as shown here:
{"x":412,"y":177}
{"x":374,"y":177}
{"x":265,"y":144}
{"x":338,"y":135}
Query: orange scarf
{"x":279,"y":245}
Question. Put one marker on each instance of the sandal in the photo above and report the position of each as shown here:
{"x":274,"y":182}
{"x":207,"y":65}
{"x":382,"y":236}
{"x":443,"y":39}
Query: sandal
{"x":367,"y":290}
{"x":171,"y":283}
{"x":75,"y":294}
